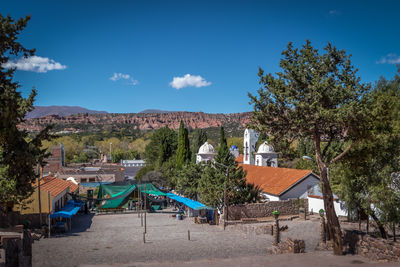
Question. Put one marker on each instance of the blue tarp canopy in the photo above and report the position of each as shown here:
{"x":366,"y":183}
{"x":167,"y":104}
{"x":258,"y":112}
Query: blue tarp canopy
{"x":69,"y":210}
{"x":188,"y":202}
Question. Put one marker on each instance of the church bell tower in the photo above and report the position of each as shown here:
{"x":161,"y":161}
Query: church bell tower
{"x":249,"y":145}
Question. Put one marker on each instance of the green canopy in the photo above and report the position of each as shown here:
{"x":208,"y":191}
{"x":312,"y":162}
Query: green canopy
{"x":114,"y":196}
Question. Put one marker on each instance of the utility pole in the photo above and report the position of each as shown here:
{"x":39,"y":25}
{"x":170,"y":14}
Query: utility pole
{"x":40,"y":202}
{"x":145,"y":209}
{"x":48,"y":200}
{"x":226,"y":198}
{"x":111,"y":151}
{"x":138,"y":203}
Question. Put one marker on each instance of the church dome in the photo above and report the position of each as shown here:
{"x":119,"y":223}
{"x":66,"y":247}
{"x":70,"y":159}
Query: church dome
{"x":206,"y":148}
{"x":265,"y":148}
{"x":233,"y":147}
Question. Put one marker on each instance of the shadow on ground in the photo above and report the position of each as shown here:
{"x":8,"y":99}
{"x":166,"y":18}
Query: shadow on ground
{"x":80,"y":223}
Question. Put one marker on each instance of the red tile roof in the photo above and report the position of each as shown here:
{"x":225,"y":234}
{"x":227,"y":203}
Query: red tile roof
{"x":56,"y":185}
{"x":239,"y":159}
{"x":274,"y":180}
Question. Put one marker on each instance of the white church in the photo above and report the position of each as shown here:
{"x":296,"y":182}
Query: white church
{"x":261,"y":166}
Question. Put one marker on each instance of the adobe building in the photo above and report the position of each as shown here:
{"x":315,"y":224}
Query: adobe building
{"x":56,"y":160}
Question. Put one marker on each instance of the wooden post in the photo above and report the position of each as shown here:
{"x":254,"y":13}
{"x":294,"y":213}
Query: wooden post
{"x":144,"y":237}
{"x":48,"y":199}
{"x":189,"y":235}
{"x":276,"y":232}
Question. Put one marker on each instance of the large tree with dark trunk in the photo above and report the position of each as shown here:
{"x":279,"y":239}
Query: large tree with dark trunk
{"x":19,"y":153}
{"x":316,"y":96}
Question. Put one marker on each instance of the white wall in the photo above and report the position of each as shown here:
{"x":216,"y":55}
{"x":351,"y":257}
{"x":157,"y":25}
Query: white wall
{"x":317,"y":203}
{"x":270,"y":197}
{"x":300,"y":189}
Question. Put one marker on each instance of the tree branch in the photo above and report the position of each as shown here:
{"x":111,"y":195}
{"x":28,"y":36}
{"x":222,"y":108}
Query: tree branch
{"x":341,"y":154}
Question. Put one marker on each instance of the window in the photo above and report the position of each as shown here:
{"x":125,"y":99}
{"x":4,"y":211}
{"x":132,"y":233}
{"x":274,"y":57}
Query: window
{"x":92,"y":180}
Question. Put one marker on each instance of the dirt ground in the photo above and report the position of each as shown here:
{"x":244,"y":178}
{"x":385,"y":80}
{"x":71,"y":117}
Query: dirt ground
{"x":117,"y":240}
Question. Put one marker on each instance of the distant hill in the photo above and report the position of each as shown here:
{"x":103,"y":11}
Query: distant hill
{"x":85,"y":122}
{"x":42,"y":111}
{"x":155,"y":111}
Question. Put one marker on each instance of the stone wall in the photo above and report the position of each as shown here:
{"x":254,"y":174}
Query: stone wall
{"x":12,"y":218}
{"x":288,"y":246}
{"x":15,"y":248}
{"x":377,"y":249}
{"x":260,"y":210}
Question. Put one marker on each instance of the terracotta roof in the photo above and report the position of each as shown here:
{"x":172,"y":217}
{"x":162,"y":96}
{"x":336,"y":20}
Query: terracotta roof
{"x":239,"y":159}
{"x":56,"y":185}
{"x":273,"y":180}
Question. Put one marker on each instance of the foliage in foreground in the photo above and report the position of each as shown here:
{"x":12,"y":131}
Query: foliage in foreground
{"x":19,"y":154}
{"x":368,"y":178}
{"x":317,"y":96}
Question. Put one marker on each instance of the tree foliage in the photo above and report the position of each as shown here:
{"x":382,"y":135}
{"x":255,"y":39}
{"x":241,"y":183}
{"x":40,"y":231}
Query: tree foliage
{"x":224,"y":172}
{"x":368,"y":177}
{"x":183,"y":151}
{"x":162,"y":147}
{"x":188,"y":180}
{"x":198,"y":139}
{"x":315,"y":96}
{"x":19,"y":154}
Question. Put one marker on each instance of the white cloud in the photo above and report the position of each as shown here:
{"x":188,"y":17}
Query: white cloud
{"x":334,"y":13}
{"x":188,"y":80}
{"x":34,"y":63}
{"x":389,"y":59}
{"x":119,"y":76}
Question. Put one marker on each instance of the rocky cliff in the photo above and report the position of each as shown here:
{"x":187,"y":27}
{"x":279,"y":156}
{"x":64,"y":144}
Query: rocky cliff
{"x":95,"y":122}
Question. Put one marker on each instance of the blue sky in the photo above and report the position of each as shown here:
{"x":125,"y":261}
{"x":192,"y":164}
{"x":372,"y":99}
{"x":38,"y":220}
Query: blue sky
{"x":127,"y":56}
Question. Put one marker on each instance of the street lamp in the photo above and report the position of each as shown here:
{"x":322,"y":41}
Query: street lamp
{"x":111,"y":151}
{"x":312,"y":160}
{"x":308,"y":158}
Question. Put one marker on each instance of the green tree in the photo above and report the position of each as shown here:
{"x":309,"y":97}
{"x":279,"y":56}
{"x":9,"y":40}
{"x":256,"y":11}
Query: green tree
{"x":19,"y":154}
{"x":223,"y":154}
{"x":223,"y":173}
{"x":316,"y":96}
{"x":367,"y":177}
{"x":162,"y":147}
{"x":160,"y":154}
{"x":183,"y":151}
{"x":188,"y":180}
{"x":198,"y":139}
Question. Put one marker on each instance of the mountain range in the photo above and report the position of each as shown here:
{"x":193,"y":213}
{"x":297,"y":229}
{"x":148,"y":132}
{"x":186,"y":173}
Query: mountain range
{"x":95,"y":121}
{"x":42,"y":111}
